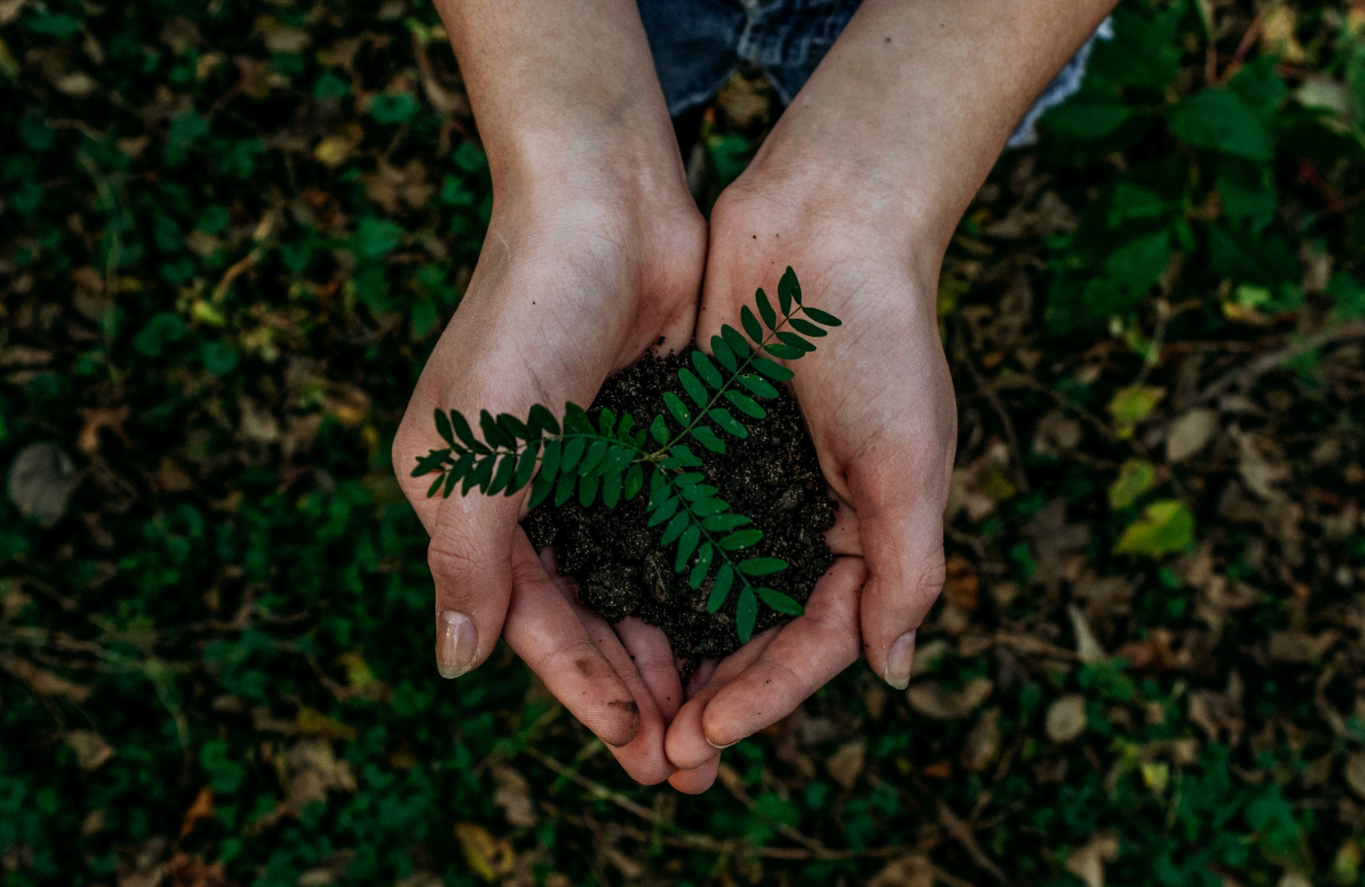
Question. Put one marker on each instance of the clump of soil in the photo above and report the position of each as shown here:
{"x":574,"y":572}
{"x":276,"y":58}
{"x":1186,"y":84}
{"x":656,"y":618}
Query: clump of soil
{"x":772,"y":477}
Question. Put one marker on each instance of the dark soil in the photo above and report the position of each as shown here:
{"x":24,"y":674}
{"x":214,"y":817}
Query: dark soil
{"x":772,"y":477}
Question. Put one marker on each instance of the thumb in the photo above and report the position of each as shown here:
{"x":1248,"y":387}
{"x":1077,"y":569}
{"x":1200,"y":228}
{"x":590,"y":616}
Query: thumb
{"x":470,"y":556}
{"x":903,"y":549}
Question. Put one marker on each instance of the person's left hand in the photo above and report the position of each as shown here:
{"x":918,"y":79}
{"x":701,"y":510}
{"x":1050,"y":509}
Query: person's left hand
{"x":878,"y":399}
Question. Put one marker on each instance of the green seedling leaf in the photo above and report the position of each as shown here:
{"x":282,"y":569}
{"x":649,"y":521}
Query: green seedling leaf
{"x":663,"y":511}
{"x":436,"y":484}
{"x":780,"y":602}
{"x":658,"y":430}
{"x":765,"y":309}
{"x":543,"y":419}
{"x":746,"y":613}
{"x":576,"y":419}
{"x":514,"y":427}
{"x":443,"y":428}
{"x":1135,"y":478}
{"x":635,"y":481}
{"x":757,"y":385}
{"x":721,"y":523}
{"x":611,"y":488}
{"x":751,"y":325}
{"x":451,"y":480}
{"x":568,"y":481}
{"x":805,"y":326}
{"x":596,"y":450}
{"x":549,"y":462}
{"x":723,"y":354}
{"x":540,"y":490}
{"x":720,"y":589}
{"x":587,"y":490}
{"x":740,"y":539}
{"x":736,"y":341}
{"x":692,"y":385}
{"x":573,"y":451}
{"x":495,"y":436}
{"x":785,"y":352}
{"x":675,"y":528}
{"x":1165,"y":527}
{"x":821,"y":317}
{"x":526,"y":466}
{"x":795,"y":341}
{"x":480,"y":476}
{"x":507,"y":464}
{"x":606,"y":421}
{"x":707,"y":370}
{"x":725,"y":420}
{"x":708,"y":507}
{"x":679,"y":409}
{"x":702,"y":566}
{"x":707,"y":438}
{"x":790,"y":286}
{"x":746,"y":405}
{"x":430,"y":462}
{"x":465,"y":433}
{"x":687,"y":544}
{"x":773,"y":370}
{"x":762,"y":566}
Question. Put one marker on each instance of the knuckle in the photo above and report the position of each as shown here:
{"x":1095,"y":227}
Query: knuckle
{"x":933,"y":577}
{"x":452,"y":559}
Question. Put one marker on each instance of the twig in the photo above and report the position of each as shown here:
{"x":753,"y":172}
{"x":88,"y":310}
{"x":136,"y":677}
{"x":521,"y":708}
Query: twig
{"x":1245,"y":375}
{"x":962,"y":833}
{"x":988,"y":391}
{"x":804,"y":840}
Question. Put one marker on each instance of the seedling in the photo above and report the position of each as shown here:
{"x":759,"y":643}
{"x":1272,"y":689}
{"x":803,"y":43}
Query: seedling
{"x":616,"y":457}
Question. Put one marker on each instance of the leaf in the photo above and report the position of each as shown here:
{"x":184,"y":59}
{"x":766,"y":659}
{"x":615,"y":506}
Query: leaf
{"x":684,"y":456}
{"x":540,"y":490}
{"x":707,"y":438}
{"x":687,"y":544}
{"x":1164,"y":527}
{"x":576,"y":419}
{"x":725,"y":420}
{"x":1133,"y":404}
{"x":573,"y":451}
{"x":514,"y":427}
{"x":549,"y":461}
{"x":526,"y":466}
{"x":692,"y":385}
{"x":707,"y":370}
{"x":783,"y":351}
{"x":740,"y":539}
{"x":441,"y":479}
{"x":805,"y":326}
{"x":746,"y":404}
{"x":788,"y":287}
{"x":565,"y":487}
{"x":677,"y":408}
{"x":721,"y":523}
{"x":587,"y":490}
{"x":723,"y":354}
{"x":430,"y":462}
{"x":773,"y":370}
{"x":735,"y":341}
{"x":635,"y":481}
{"x":751,"y":325}
{"x":1218,"y":120}
{"x":480,"y":476}
{"x":664,"y":510}
{"x":1065,"y":719}
{"x":821,"y":317}
{"x":675,"y":528}
{"x":780,"y":602}
{"x":611,"y":488}
{"x":507,"y":464}
{"x":1189,"y":434}
{"x":746,"y":613}
{"x":757,"y":385}
{"x":762,"y":566}
{"x":543,"y":419}
{"x":795,"y":341}
{"x":465,"y":433}
{"x":701,"y":567}
{"x":765,"y":309}
{"x":606,"y":421}
{"x":596,"y":450}
{"x":443,"y":428}
{"x":1135,"y":478}
{"x":720,"y":589}
{"x":492,"y":433}
{"x":708,"y":507}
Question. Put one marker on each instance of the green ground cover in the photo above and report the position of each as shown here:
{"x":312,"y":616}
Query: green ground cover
{"x":229,"y":235}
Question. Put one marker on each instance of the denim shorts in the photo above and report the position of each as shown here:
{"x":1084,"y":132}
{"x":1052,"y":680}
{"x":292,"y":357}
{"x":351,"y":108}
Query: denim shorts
{"x":698,"y":43}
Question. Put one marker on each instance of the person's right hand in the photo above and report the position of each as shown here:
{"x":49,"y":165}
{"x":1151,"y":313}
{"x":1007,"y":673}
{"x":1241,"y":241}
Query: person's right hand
{"x":573,"y":283}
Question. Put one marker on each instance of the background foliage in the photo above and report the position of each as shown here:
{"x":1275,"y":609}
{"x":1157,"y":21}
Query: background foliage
{"x":229,"y":234}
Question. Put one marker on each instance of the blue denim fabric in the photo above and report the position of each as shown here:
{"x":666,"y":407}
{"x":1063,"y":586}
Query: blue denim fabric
{"x":698,"y":43}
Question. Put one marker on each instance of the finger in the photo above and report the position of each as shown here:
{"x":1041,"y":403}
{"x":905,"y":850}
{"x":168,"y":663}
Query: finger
{"x":906,"y":571}
{"x":694,"y":782}
{"x":643,"y":757}
{"x":686,"y":743}
{"x":805,"y":655}
{"x":544,"y":630}
{"x":653,"y":657}
{"x":470,"y":556}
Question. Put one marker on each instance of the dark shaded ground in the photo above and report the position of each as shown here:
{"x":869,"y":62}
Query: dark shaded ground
{"x":772,"y":477}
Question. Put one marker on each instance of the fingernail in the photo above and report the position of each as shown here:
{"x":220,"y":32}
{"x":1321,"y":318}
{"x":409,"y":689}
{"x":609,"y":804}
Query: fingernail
{"x":719,"y":747}
{"x":457,"y":644}
{"x":899,"y":661}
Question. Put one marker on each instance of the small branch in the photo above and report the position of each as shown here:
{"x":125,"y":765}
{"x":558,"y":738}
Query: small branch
{"x":1244,"y":376}
{"x":962,"y":833}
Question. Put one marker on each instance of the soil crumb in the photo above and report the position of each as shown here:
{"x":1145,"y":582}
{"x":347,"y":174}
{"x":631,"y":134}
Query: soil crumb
{"x":772,"y":477}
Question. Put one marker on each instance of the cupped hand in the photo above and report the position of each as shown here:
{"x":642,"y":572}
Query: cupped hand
{"x":878,"y":399}
{"x":566,"y":291}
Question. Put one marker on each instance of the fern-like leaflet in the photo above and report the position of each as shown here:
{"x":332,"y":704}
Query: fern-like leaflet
{"x":563,"y":458}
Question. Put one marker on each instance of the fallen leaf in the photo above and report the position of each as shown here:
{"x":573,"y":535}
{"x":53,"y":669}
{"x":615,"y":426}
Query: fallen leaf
{"x":315,"y":723}
{"x":201,"y":808}
{"x":1156,"y":775}
{"x":96,"y":420}
{"x":1087,"y":861}
{"x":907,"y":871}
{"x":90,"y":748}
{"x":1065,"y":718}
{"x":313,"y":770}
{"x":1262,"y":465}
{"x":1088,"y":649}
{"x":1133,"y":404}
{"x":184,"y":870}
{"x":1300,"y":646}
{"x":41,"y":481}
{"x":44,"y":683}
{"x":1164,"y":527}
{"x":488,"y":857}
{"x":846,"y":764}
{"x":77,"y":84}
{"x":1189,"y":434}
{"x":962,"y":587}
{"x":983,"y":743}
{"x":930,"y":699}
{"x":1136,"y":477}
{"x":513,"y":795}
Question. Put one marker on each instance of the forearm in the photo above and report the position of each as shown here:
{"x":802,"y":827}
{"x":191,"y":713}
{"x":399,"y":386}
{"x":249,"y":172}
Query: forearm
{"x":564,"y":91}
{"x":916,"y":100}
